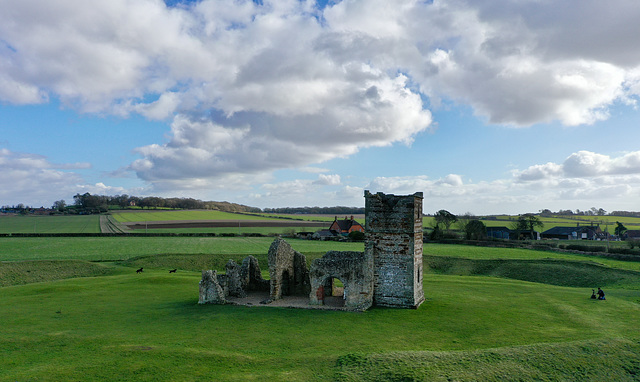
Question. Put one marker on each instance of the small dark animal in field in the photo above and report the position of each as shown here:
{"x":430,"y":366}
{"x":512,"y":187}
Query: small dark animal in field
{"x":139,"y":270}
{"x":173,"y":270}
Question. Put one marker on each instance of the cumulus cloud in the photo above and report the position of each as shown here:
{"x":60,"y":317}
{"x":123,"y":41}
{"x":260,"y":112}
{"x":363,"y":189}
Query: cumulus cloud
{"x":583,"y":164}
{"x":252,"y":87}
{"x":583,"y":180}
{"x":328,"y":180}
{"x":31,"y":177}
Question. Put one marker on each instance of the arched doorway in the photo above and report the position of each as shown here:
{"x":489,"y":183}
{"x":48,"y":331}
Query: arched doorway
{"x":334,"y":292}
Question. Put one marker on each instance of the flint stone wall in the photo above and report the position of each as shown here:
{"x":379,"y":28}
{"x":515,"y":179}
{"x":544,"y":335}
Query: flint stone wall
{"x":210,"y":290}
{"x":251,"y":276}
{"x":287,"y":270}
{"x":393,"y":239}
{"x":233,"y":284}
{"x":354,"y":269}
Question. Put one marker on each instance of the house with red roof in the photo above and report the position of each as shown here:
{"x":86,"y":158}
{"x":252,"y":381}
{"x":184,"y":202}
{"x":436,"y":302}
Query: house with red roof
{"x":345,"y":226}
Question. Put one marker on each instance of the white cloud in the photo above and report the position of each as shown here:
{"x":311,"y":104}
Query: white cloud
{"x":583,"y":180}
{"x":583,"y":164}
{"x":30,"y":179}
{"x":313,"y":170}
{"x":517,"y":63}
{"x":328,"y":180}
{"x":252,"y":88}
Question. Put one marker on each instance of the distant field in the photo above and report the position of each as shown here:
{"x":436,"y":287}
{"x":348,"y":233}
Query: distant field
{"x":550,"y":222}
{"x":235,"y":230}
{"x":141,"y":216}
{"x":317,"y":217}
{"x":122,"y":248}
{"x":185,"y":221}
{"x":50,"y":224}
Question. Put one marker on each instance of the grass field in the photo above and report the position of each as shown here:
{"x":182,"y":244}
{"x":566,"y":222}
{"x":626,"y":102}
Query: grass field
{"x":141,"y":216}
{"x":71,"y":319}
{"x":234,"y":230}
{"x":90,"y":223}
{"x":50,"y":224}
{"x":122,"y":248}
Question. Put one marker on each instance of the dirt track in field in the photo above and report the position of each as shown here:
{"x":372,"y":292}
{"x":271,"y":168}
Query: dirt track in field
{"x":225,"y":223}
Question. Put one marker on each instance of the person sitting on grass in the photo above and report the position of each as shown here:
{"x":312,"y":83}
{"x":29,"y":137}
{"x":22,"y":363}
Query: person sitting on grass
{"x":593,"y":294}
{"x":601,"y":294}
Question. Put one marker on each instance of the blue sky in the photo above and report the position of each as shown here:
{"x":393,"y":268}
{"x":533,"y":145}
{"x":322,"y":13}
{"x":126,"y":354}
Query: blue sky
{"x":497,"y":107}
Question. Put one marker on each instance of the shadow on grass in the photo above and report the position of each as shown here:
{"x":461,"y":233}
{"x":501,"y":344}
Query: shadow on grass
{"x":553,"y":272}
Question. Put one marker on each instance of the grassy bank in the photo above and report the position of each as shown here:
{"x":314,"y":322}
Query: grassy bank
{"x":149,"y":327}
{"x":27,"y":272}
{"x":600,"y":360}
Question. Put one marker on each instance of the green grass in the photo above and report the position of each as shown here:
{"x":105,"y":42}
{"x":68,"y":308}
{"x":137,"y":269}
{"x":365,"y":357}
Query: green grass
{"x":564,"y":221}
{"x":231,"y":230}
{"x":50,"y":224}
{"x":314,"y":217}
{"x":491,"y":253}
{"x":480,"y":322}
{"x":26,"y":272}
{"x":573,"y":361}
{"x":554,"y":272}
{"x":122,"y":248}
{"x":141,"y":216}
{"x":148,"y":327}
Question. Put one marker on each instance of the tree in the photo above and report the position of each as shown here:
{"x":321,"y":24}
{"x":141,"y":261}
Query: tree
{"x":356,"y":235}
{"x":475,"y":230}
{"x":463,"y":220}
{"x":620,"y":229}
{"x":445,"y":218}
{"x":546,"y":212}
{"x":59,"y":205}
{"x":122,"y":200}
{"x":527,"y":223}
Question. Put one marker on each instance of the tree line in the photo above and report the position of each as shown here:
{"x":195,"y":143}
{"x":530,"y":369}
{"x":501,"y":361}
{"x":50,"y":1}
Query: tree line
{"x":338,"y":210}
{"x":102,"y":203}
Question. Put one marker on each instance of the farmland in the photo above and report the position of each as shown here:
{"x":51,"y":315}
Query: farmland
{"x":218,"y":222}
{"x":179,"y":215}
{"x":50,"y":224}
{"x":162,"y":221}
{"x":491,"y":313}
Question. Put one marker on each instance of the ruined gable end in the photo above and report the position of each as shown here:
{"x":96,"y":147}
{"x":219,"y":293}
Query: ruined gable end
{"x":287,"y":270}
{"x":210,"y":290}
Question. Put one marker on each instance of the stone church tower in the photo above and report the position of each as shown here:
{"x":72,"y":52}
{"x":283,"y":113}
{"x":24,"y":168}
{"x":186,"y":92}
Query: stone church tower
{"x":393,"y":240}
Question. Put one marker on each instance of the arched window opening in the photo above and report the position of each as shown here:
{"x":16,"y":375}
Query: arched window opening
{"x":286,"y":284}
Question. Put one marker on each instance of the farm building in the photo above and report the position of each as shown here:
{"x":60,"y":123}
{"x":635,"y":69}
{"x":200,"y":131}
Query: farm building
{"x":345,"y":226}
{"x":324,"y":234}
{"x":498,"y":232}
{"x":632,"y":234}
{"x":588,"y":232}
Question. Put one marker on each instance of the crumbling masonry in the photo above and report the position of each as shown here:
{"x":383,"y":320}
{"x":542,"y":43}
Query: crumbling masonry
{"x":388,"y":273}
{"x":393,"y":238}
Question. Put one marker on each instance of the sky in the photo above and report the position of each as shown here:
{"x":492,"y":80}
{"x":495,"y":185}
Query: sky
{"x":486,"y":107}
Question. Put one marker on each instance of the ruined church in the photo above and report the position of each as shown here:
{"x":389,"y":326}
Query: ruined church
{"x":388,"y":273}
